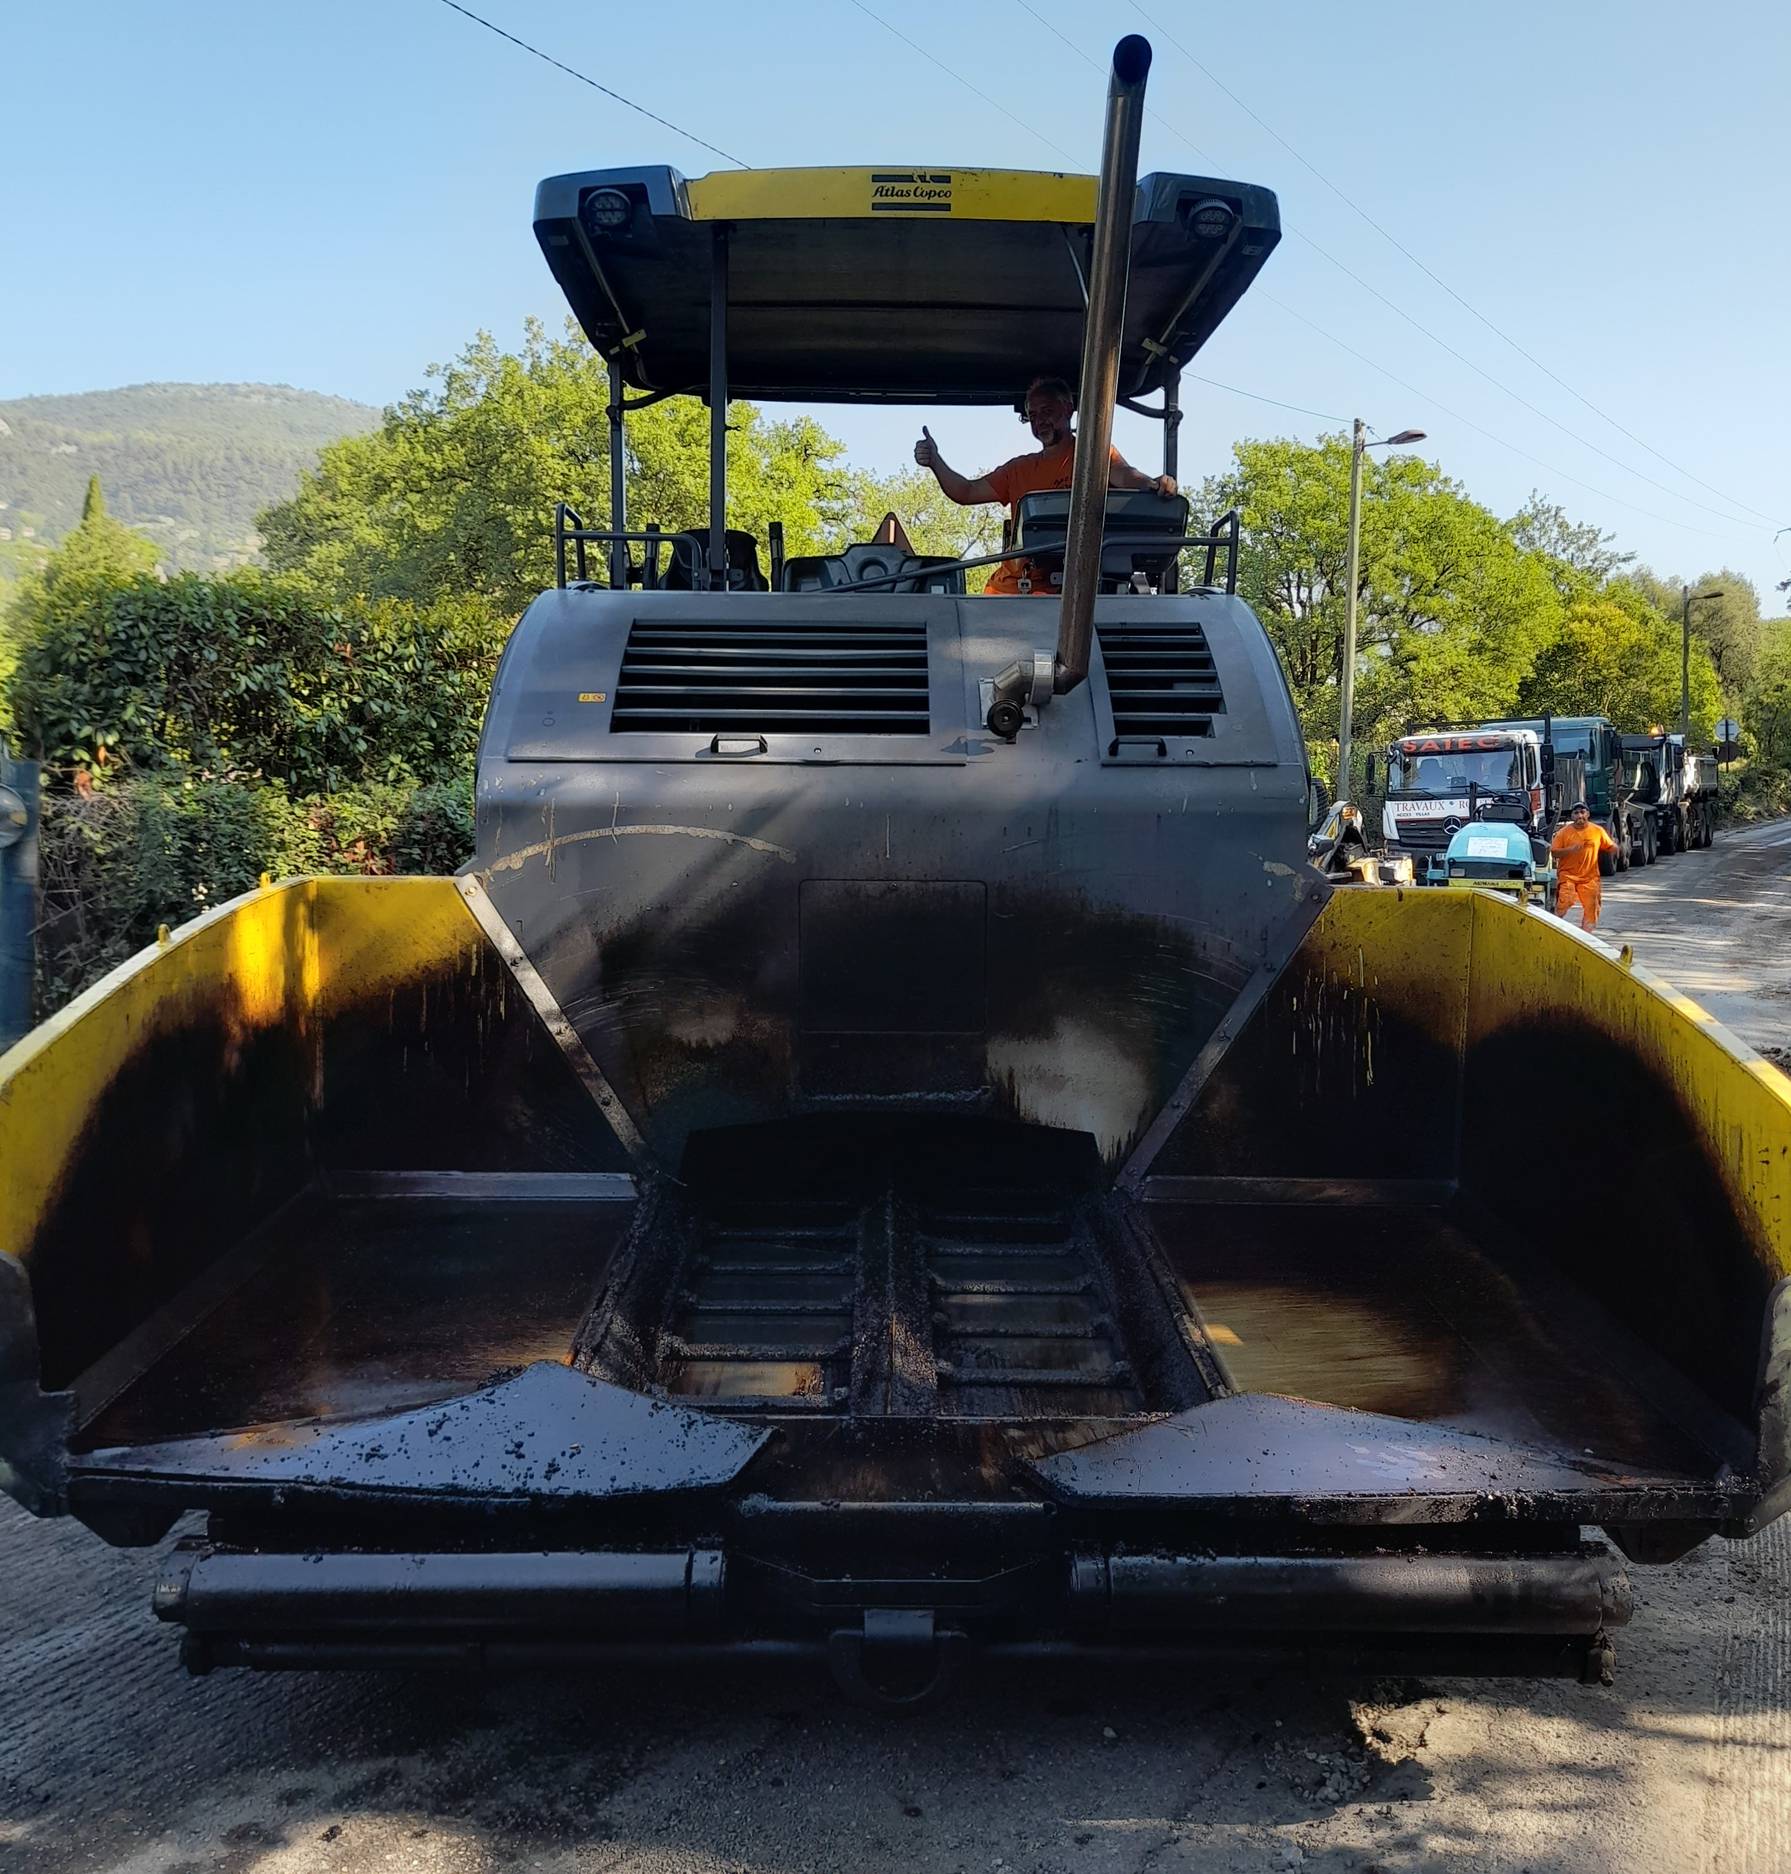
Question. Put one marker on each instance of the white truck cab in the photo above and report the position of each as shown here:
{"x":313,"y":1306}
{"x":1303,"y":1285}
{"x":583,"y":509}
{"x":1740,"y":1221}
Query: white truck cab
{"x":1440,"y":779}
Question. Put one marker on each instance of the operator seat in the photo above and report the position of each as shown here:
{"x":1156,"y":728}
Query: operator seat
{"x":689,"y":568}
{"x":1043,"y":520}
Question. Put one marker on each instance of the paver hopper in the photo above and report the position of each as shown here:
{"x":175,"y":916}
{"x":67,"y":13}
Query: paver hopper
{"x":837,"y":1176}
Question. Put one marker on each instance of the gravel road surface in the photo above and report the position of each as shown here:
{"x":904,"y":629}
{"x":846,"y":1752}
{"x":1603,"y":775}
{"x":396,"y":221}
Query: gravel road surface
{"x":111,"y":1759}
{"x":1717,"y":925}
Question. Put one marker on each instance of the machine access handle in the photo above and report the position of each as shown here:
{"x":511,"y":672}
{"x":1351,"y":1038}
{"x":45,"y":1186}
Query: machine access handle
{"x":739,"y":745}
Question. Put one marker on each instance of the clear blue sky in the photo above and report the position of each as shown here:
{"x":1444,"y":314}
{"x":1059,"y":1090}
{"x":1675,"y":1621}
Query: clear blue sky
{"x":332,"y":195}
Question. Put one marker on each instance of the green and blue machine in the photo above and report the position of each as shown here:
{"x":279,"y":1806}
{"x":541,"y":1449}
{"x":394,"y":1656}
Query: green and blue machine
{"x":1495,"y":855}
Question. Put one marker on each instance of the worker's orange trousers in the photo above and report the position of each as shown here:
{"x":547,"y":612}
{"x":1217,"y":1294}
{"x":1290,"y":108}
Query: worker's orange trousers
{"x":1585,"y":896}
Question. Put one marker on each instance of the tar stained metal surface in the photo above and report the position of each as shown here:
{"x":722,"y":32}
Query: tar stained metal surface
{"x":767,"y":1303}
{"x":899,"y":1269}
{"x":390,"y":1302}
{"x":1022,"y":1323}
{"x":800,"y":1303}
{"x":1402,"y":1310}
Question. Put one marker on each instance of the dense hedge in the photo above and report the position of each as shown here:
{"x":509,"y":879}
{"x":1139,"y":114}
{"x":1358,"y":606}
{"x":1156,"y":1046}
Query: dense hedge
{"x":1760,"y":791}
{"x":120,"y":862}
{"x":247,"y":675}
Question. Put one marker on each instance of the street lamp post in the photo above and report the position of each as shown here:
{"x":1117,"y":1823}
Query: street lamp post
{"x":1346,"y":689}
{"x":1690,"y":598}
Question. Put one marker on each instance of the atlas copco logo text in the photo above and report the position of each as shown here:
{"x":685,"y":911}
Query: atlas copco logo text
{"x":911,"y":193}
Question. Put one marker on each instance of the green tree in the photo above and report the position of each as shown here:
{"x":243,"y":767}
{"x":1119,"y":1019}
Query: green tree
{"x":1730,"y":625}
{"x":190,"y":465}
{"x":453,"y":494}
{"x":100,"y":547}
{"x":1765,"y":711}
{"x":1451,"y":609}
{"x":1619,"y":658}
{"x":98,"y":553}
{"x":116,"y":863}
{"x":1580,"y":555}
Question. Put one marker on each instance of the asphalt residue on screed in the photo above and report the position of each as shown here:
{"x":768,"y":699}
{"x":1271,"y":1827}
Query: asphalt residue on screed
{"x":112,"y":1761}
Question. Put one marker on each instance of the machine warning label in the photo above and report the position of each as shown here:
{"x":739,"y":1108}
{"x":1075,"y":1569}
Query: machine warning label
{"x":593,"y":696}
{"x":910,"y":193}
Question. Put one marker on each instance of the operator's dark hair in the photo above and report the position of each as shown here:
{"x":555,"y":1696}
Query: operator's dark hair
{"x":1052,"y":387}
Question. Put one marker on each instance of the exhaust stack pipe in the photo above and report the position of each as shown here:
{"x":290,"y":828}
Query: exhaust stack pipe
{"x":1033,"y":679}
{"x":1100,"y":357}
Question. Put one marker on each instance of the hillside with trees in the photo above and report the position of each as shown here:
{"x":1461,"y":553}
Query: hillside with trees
{"x":189,"y":466}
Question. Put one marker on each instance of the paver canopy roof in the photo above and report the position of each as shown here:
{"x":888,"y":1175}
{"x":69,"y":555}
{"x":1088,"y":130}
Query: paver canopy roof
{"x":923,"y":286}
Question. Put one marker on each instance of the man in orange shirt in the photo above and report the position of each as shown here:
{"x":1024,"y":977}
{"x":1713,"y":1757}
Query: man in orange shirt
{"x":1050,"y":406}
{"x":1576,"y":848}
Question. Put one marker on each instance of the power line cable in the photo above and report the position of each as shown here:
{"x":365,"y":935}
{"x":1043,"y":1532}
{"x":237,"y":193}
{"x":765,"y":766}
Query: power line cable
{"x":1517,"y":397}
{"x":1432,"y":275}
{"x":1324,"y":416}
{"x":1300,"y":409}
{"x":547,"y":58}
{"x":959,"y":78}
{"x":1469,"y":423}
{"x":1342,"y":267}
{"x":1393,"y":306}
{"x":1088,"y":58}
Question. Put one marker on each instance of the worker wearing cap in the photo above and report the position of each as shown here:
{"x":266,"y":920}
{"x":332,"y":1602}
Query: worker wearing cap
{"x":1048,"y":411}
{"x":1576,"y":848}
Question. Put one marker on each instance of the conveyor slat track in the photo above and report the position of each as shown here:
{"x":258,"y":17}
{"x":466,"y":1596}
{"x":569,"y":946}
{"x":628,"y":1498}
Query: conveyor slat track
{"x":906,"y":1295}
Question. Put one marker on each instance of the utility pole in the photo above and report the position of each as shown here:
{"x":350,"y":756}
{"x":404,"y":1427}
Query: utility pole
{"x":1346,"y":687}
{"x":1685,"y":666}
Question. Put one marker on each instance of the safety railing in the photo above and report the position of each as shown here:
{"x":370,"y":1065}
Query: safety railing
{"x":1225,"y":534}
{"x":569,"y":530}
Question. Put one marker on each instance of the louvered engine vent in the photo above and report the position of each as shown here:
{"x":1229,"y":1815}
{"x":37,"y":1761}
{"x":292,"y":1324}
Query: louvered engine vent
{"x":826,"y":678}
{"x":1161,"y":679}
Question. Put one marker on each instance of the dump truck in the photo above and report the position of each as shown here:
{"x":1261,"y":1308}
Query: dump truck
{"x":1702,"y":788}
{"x":1677,"y":789}
{"x":888,"y":1154}
{"x":1597,"y":744}
{"x":1438,"y":780}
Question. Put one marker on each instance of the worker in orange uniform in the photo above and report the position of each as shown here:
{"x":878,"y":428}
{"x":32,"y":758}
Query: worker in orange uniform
{"x":1049,"y":408}
{"x":1576,"y":848}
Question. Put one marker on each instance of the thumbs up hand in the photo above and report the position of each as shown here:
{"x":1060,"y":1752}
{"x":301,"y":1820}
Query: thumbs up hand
{"x":926,"y":451}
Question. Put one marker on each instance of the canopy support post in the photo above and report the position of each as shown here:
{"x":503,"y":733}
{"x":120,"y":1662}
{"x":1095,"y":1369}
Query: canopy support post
{"x":1172,"y":455}
{"x":618,"y":480}
{"x":1172,"y":424}
{"x":718,"y":411}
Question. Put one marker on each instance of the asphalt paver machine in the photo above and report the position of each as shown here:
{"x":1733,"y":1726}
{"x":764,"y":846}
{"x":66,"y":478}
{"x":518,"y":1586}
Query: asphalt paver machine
{"x":889,"y":1152}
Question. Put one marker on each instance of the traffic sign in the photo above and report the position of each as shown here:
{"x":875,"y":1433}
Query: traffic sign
{"x":1728,"y":730}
